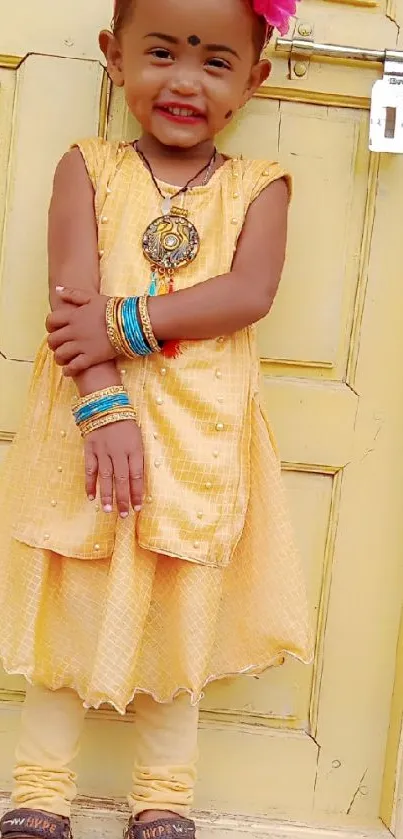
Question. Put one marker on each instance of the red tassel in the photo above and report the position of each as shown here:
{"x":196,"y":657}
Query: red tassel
{"x":171,"y":349}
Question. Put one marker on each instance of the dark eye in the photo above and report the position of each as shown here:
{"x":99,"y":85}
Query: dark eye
{"x":218,"y":63}
{"x":161,"y":53}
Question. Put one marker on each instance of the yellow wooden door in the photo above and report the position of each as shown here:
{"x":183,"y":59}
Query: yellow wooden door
{"x":308,"y":744}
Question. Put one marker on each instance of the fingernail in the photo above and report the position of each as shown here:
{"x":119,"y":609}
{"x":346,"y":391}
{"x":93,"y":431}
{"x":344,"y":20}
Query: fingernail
{"x":60,"y":288}
{"x":91,"y":498}
{"x":108,"y":508}
{"x":137,"y":509}
{"x":124,"y":515}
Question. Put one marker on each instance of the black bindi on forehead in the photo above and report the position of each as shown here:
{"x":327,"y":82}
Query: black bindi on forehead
{"x":194,"y":40}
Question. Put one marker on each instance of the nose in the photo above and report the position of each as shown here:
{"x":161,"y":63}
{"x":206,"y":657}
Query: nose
{"x":185,"y":82}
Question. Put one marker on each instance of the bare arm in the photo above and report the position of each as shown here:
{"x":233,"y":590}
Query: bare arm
{"x":227,"y":303}
{"x":113,"y":454}
{"x":73,"y":250}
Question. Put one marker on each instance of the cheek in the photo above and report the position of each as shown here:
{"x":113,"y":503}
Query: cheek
{"x":139,"y":95}
{"x":224,"y":94}
{"x":142,"y":82}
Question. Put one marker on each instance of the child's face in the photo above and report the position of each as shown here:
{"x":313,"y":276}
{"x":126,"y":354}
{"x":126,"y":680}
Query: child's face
{"x":186,"y":66}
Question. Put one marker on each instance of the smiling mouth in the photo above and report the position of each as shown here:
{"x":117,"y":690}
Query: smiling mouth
{"x":180,"y":112}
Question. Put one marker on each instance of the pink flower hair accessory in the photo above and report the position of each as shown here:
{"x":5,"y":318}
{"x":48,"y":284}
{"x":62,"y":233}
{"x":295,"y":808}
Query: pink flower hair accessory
{"x":276,"y":12}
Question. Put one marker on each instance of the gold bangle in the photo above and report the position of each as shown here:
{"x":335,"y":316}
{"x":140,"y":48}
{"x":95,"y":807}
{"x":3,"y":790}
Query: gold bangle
{"x":146,"y":324}
{"x":107,"y":419}
{"x":120,"y":335}
{"x":109,"y":413}
{"x":111,"y":325}
{"x":113,"y":390}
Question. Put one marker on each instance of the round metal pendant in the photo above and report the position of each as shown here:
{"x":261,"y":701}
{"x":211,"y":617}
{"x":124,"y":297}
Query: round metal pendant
{"x":171,"y":242}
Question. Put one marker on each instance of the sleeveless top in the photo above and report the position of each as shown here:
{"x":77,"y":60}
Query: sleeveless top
{"x":194,"y":411}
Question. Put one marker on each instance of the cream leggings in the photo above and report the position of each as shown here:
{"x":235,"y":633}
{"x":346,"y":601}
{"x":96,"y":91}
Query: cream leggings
{"x":164,"y":767}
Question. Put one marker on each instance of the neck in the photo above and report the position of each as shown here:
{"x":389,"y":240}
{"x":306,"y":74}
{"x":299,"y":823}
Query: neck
{"x":152,"y":148}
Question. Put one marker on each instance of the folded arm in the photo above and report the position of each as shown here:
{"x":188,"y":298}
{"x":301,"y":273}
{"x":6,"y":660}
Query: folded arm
{"x":114,"y":453}
{"x":218,"y":306}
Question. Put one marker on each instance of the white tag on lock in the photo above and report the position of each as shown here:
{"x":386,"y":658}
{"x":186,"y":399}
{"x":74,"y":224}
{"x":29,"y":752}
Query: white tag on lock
{"x":386,"y":121}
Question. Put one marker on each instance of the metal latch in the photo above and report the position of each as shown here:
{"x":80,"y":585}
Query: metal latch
{"x":386,"y":121}
{"x":300,"y":55}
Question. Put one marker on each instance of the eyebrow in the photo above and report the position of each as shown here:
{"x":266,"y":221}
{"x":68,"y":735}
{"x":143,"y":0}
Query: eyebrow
{"x":221,"y":48}
{"x":209,"y":47}
{"x":170,"y":38}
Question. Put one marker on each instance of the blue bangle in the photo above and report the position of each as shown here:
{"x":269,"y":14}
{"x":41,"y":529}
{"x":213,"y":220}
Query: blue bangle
{"x":131,"y":326}
{"x":90,"y":408}
{"x":100,"y":406}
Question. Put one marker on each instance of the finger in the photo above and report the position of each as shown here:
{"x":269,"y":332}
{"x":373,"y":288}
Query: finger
{"x":59,"y":337}
{"x":66,"y":353}
{"x":136,"y":468}
{"x":105,"y":478}
{"x":91,"y":471}
{"x":122,"y":485}
{"x":57,"y":319}
{"x":77,"y":366}
{"x":77,"y":296}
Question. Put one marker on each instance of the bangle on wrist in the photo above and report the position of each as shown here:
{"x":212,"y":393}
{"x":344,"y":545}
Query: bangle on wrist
{"x":129,"y":327}
{"x":146,"y":325}
{"x":102,"y":408}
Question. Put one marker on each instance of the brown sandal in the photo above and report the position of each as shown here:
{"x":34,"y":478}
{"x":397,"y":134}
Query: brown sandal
{"x":24,"y":824}
{"x":179,"y":828}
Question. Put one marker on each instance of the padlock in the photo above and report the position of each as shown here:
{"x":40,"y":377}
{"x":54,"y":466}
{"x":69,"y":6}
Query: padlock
{"x":386,"y":121}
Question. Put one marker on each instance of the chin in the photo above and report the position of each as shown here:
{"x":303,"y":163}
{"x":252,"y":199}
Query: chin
{"x":179,"y":137}
{"x":179,"y":142}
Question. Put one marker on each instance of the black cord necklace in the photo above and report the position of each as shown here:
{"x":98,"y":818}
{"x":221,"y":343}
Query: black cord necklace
{"x":167,"y":199}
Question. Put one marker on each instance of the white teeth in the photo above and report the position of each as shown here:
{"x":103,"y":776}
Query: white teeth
{"x":181,"y":112}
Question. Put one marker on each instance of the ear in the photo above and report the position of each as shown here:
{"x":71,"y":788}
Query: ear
{"x":259,"y":73}
{"x":112,"y":51}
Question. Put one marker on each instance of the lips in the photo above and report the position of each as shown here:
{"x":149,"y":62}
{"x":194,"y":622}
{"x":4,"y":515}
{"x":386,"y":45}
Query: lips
{"x":180,"y":112}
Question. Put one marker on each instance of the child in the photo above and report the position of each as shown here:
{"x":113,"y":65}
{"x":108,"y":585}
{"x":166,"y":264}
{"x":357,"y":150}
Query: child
{"x":100,"y":602}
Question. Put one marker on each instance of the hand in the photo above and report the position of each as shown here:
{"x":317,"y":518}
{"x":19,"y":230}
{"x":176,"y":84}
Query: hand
{"x":78,"y":334}
{"x":114,"y":459}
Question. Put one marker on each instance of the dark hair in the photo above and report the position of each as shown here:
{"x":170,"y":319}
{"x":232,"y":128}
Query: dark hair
{"x":261,"y":33}
{"x":122,"y":11}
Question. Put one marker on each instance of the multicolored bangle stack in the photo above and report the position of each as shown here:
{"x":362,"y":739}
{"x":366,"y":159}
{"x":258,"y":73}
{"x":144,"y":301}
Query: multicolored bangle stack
{"x":129,"y":327}
{"x":102,"y":408}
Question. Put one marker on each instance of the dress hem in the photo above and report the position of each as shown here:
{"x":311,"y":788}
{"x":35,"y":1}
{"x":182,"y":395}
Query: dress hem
{"x":196,"y":696}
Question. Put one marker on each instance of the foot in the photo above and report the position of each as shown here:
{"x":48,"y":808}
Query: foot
{"x":24,"y":824}
{"x":165,"y":825}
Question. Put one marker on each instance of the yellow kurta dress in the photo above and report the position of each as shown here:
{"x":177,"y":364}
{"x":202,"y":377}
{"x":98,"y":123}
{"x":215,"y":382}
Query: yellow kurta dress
{"x":205,"y":582}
